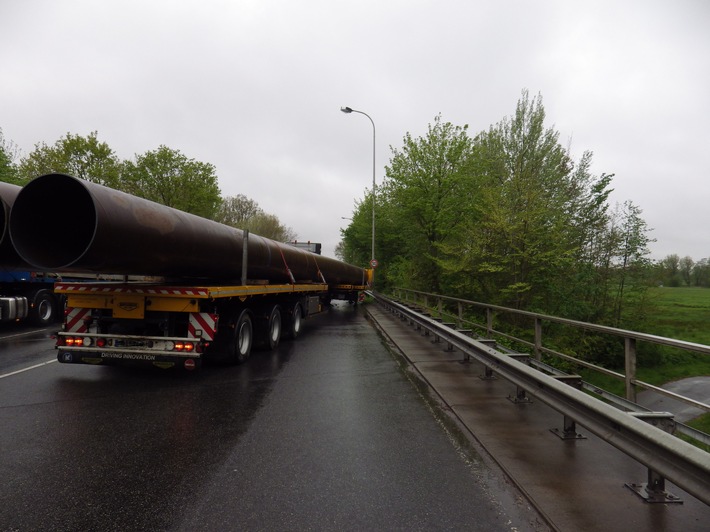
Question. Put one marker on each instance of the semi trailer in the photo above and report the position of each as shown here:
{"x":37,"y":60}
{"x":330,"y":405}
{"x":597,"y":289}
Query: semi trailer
{"x":205,"y":291}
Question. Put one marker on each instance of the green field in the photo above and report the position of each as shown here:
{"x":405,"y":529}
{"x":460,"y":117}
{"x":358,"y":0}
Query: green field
{"x":681,"y":313}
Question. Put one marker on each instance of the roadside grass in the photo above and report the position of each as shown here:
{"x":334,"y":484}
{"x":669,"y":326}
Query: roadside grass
{"x":682,"y":313}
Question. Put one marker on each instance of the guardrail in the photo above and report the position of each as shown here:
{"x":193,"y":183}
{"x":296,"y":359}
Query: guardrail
{"x":637,"y":435}
{"x":630,"y":339}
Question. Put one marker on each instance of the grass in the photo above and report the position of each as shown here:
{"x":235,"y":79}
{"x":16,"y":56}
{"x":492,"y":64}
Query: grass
{"x":681,"y":313}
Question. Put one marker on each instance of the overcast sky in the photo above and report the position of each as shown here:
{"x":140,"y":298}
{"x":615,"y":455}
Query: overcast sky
{"x":255,"y":87}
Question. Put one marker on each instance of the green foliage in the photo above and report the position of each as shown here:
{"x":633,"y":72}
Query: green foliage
{"x":674,"y":271}
{"x":164,"y":175}
{"x":357,"y":237}
{"x":8,"y":153}
{"x":237,"y":210}
{"x":701,"y":423}
{"x":168,"y":177}
{"x":506,"y":217}
{"x":244,"y":213}
{"x":82,"y":157}
{"x":426,"y":183}
{"x":682,"y":313}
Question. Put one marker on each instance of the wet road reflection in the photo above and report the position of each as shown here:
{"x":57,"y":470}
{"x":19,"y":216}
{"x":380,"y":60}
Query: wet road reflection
{"x":325,"y":432}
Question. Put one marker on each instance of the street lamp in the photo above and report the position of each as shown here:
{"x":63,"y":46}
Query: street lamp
{"x":348,"y":110}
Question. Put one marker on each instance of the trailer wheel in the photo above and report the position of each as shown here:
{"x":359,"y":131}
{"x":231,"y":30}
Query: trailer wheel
{"x":295,"y":321}
{"x":272,"y":333}
{"x":43,"y":308}
{"x":243,"y":338}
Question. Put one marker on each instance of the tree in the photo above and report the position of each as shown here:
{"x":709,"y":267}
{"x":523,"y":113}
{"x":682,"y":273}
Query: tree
{"x":425,"y":195}
{"x":631,"y":263}
{"x":82,"y":157}
{"x":168,"y":177}
{"x":701,"y":273}
{"x":686,"y":269}
{"x":524,"y":228}
{"x":670,"y":266}
{"x":269,"y":226}
{"x":8,"y":154}
{"x":356,"y":246}
{"x":244,"y":213}
{"x":236,"y":210}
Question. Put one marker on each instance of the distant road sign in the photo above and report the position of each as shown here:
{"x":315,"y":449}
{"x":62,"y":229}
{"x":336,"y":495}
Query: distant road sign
{"x":374,"y":263}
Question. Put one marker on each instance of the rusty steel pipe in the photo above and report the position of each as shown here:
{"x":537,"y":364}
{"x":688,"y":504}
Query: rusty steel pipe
{"x":62,"y":223}
{"x":9,"y":258}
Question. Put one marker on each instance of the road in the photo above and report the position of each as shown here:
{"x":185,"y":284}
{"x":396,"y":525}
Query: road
{"x":325,"y":433}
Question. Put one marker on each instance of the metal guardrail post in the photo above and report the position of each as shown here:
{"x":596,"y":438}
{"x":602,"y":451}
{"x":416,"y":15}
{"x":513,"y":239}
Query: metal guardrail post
{"x":538,"y":339}
{"x":630,"y":368}
{"x":489,"y":322}
{"x":654,"y":491}
{"x":520,"y":393}
{"x":569,"y":425}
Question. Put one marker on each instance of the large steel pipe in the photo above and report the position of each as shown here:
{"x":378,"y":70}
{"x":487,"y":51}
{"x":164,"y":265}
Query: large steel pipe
{"x":62,"y":223}
{"x":8,"y":256}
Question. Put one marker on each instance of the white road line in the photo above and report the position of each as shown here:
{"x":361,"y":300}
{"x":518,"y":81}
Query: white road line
{"x":25,"y":333}
{"x":27,"y":369}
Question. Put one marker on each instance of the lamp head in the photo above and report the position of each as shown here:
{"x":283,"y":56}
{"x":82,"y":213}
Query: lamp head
{"x":346,"y":110}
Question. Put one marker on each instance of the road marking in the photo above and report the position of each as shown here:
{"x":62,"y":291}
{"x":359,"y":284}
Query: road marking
{"x":27,"y":369}
{"x":25,"y":333}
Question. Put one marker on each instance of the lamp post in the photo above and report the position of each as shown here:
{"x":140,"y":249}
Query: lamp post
{"x":348,"y":110}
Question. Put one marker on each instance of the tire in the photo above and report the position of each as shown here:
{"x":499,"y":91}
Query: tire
{"x":243,"y":338}
{"x":294,"y":322}
{"x":271,"y":335}
{"x":44,"y":309}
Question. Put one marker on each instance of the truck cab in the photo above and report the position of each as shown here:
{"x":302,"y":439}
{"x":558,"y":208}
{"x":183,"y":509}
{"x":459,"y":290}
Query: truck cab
{"x":29,"y":295}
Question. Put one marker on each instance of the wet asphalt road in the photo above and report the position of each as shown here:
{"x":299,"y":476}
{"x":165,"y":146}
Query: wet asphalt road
{"x":325,"y":433}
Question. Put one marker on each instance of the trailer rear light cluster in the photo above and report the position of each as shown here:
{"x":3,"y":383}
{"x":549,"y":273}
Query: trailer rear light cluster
{"x":187,"y":347}
{"x":75,"y":341}
{"x":181,"y":346}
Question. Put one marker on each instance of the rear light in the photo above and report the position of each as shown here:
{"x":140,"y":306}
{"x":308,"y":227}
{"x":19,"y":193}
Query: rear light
{"x":183,"y":346}
{"x":90,"y":341}
{"x":73,"y":341}
{"x":79,"y":341}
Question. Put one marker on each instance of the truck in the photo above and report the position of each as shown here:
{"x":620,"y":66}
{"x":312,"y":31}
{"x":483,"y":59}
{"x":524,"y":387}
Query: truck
{"x":200,"y":290}
{"x":28,"y":295}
